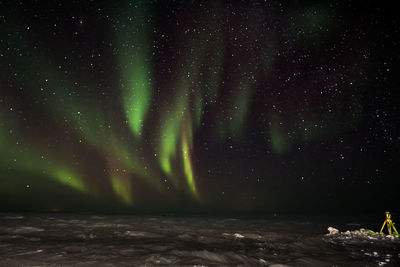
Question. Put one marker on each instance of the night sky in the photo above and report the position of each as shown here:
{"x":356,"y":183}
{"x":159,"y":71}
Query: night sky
{"x":199,"y":106}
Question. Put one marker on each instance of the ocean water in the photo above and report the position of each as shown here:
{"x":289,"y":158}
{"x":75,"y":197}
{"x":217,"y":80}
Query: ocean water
{"x":112,"y":240}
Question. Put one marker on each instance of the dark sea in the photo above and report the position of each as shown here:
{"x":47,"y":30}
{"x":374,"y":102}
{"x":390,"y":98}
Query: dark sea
{"x":115,"y":240}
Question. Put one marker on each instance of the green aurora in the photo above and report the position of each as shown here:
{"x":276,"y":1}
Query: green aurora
{"x":141,"y":119}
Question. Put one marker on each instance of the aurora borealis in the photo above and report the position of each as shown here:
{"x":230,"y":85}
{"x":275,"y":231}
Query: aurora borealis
{"x":198,"y":106}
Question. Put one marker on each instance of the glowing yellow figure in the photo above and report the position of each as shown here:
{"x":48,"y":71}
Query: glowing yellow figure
{"x":390,"y":225}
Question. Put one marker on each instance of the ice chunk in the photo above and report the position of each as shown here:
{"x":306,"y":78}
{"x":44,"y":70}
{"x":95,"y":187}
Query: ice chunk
{"x":238,"y":235}
{"x":262,"y":261}
{"x":332,"y":231}
{"x":235,"y":235}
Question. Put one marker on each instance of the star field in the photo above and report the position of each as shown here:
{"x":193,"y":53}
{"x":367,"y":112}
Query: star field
{"x":259,"y":106}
